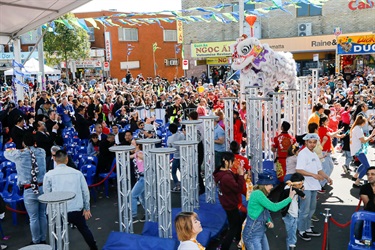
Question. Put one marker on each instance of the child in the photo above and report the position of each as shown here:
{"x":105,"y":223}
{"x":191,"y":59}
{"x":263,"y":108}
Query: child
{"x":346,"y":151}
{"x":93,"y":146}
{"x":290,"y":212}
{"x":291,"y":161}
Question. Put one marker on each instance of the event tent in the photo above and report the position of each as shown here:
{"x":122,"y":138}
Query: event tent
{"x":32,"y":68}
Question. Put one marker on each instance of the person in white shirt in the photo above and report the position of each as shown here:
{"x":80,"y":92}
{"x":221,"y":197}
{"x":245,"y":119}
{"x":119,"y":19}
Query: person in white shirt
{"x":310,"y":166}
{"x":188,"y":227}
{"x":358,"y":147}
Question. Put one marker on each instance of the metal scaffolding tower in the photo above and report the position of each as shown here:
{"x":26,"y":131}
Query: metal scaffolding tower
{"x":290,"y":109}
{"x":251,"y":91}
{"x":124,"y":187}
{"x":188,"y":181}
{"x":151,"y":207}
{"x":303,"y":110}
{"x":58,"y":218}
{"x":229,"y":102}
{"x":209,"y":157}
{"x":161,"y":156}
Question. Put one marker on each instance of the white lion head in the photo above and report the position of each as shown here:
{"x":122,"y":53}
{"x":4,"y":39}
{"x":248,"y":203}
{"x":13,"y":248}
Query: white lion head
{"x":245,"y":50}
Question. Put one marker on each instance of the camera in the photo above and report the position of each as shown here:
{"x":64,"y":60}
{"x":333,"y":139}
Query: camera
{"x":299,"y":192}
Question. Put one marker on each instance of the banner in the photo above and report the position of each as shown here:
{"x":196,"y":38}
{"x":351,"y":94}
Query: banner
{"x":180,"y":35}
{"x":108,"y":48}
{"x":351,"y":45}
{"x":214,"y":49}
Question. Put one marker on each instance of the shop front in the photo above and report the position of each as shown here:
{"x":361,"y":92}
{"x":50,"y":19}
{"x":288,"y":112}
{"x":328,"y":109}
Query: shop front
{"x":308,"y":51}
{"x":357,"y":52}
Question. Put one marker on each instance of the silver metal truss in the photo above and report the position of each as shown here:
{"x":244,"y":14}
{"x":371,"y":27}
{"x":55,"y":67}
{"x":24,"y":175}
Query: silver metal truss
{"x":162,"y":156}
{"x":268,"y":115}
{"x":290,"y":109}
{"x":303,"y":110}
{"x":124,"y":187}
{"x":251,"y":91}
{"x":151,"y":207}
{"x":209,"y":157}
{"x":229,"y":102}
{"x":188,"y":176}
{"x":277,"y":99}
{"x":57,"y":218}
{"x":192,"y":135}
{"x":314,"y":86}
{"x":256,"y":124}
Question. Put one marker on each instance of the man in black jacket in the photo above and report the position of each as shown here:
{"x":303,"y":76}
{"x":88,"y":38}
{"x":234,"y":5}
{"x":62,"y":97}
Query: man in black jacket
{"x":18,"y":132}
{"x":105,"y":156}
{"x":44,"y":139}
{"x":82,"y":125}
{"x":52,"y":120}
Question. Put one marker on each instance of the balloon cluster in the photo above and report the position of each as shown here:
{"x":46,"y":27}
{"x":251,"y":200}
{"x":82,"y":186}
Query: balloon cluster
{"x":262,"y":66}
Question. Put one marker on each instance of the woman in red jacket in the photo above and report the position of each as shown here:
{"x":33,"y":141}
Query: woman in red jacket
{"x":230,"y":185}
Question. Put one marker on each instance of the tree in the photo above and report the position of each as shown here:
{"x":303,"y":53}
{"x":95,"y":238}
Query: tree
{"x":66,"y":42}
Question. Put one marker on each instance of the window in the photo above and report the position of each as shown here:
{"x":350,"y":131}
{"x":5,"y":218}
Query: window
{"x":308,"y":10}
{"x":91,"y":34}
{"x":126,"y":34}
{"x":170,"y":35}
{"x":248,"y":7}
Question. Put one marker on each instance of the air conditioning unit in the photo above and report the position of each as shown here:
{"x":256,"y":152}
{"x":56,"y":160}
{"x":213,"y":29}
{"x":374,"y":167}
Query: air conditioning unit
{"x":304,"y":29}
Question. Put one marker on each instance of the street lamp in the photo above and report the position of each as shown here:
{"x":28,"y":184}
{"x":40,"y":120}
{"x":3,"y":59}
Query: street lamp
{"x":337,"y":32}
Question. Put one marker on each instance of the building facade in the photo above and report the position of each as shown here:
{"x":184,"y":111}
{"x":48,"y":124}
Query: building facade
{"x":307,"y":32}
{"x":130,"y":47}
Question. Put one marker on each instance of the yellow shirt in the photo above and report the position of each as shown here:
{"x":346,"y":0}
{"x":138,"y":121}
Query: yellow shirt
{"x":314,"y":118}
{"x":200,"y":89}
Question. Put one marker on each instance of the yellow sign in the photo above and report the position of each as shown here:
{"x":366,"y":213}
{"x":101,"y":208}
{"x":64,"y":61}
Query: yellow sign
{"x":213,"y":49}
{"x":180,"y":34}
{"x":217,"y":60}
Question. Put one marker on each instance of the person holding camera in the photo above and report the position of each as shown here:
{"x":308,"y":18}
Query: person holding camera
{"x":290,"y":212}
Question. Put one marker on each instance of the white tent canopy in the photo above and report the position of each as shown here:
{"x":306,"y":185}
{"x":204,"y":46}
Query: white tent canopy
{"x":21,"y":16}
{"x":32,"y":68}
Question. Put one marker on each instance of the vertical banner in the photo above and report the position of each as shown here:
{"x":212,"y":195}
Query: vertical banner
{"x":180,"y":34}
{"x":108,"y":47}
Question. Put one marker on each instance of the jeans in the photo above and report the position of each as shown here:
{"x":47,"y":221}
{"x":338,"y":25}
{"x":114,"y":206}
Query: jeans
{"x":138,"y":193}
{"x":37,"y":215}
{"x":348,"y":158}
{"x":362,"y":169}
{"x":307,"y":208}
{"x":254,"y":235}
{"x":327,"y":167}
{"x":77,"y":219}
{"x":291,"y":229}
{"x":175,"y":166}
{"x":234,"y":221}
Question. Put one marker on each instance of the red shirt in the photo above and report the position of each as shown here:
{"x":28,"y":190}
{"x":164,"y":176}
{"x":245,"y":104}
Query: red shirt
{"x":282,"y":142}
{"x":322,"y":131}
{"x":237,"y":162}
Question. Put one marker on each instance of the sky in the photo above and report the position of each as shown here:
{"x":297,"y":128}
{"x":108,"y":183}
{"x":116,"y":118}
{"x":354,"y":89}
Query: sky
{"x":130,"y":5}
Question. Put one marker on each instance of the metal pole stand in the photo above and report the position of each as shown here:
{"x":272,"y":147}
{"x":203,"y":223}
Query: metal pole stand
{"x":276,"y":112}
{"x":192,"y":135}
{"x":268,"y":115}
{"x":150,"y":179}
{"x":290,"y":110}
{"x":327,"y":214}
{"x":303,"y":111}
{"x":314,"y":87}
{"x":251,"y":91}
{"x":209,"y":157}
{"x":163,"y":182}
{"x":57,"y":218}
{"x":188,"y":175}
{"x":124,"y":187}
{"x":228,"y":119}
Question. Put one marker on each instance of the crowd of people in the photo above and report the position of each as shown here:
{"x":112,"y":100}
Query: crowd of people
{"x":107,"y":113}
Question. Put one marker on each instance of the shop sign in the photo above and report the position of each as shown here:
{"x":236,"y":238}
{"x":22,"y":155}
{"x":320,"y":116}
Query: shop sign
{"x":24,"y":55}
{"x":89,"y":64}
{"x":217,"y":61}
{"x":349,"y":45}
{"x":180,"y":34}
{"x":356,"y":5}
{"x":108,"y":49}
{"x":212,"y":49}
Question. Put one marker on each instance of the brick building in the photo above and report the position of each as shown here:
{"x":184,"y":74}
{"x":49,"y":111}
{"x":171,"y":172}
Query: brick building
{"x":305,"y":32}
{"x":138,"y":40}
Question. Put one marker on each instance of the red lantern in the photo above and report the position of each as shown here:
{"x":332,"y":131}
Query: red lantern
{"x":250,"y":19}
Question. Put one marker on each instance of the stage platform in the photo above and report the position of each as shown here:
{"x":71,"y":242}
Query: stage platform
{"x":213,"y":220}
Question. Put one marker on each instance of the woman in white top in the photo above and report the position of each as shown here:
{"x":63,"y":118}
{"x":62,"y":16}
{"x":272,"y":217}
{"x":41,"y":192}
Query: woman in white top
{"x":358,"y":147}
{"x":188,"y":227}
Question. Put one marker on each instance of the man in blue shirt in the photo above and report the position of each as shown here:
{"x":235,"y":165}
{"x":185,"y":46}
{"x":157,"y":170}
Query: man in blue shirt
{"x":66,"y":111}
{"x":64,"y":178}
{"x":219,"y":142}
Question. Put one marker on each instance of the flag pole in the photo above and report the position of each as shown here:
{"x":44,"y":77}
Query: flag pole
{"x":153,"y":57}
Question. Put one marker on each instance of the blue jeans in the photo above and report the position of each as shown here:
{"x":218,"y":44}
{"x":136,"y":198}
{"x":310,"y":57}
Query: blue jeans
{"x":254,"y":235}
{"x":327,"y":167}
{"x":291,"y":229}
{"x":362,"y":169}
{"x":37,"y":215}
{"x":175,"y":166}
{"x":348,"y":158}
{"x":138,"y":193}
{"x":307,"y":208}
